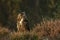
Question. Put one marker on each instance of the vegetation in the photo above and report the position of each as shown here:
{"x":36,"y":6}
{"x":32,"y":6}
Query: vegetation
{"x":43,"y":16}
{"x":46,"y":30}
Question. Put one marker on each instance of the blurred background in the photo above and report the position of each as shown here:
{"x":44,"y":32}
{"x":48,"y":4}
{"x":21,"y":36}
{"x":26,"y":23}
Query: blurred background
{"x":35,"y":10}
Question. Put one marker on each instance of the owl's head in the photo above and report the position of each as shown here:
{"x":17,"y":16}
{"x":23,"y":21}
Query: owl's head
{"x":21,"y":15}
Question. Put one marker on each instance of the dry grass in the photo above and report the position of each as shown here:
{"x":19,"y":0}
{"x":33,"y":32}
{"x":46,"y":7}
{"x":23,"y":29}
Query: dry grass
{"x":47,"y":30}
{"x":50,"y":29}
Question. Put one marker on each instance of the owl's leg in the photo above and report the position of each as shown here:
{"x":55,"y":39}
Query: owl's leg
{"x":18,"y":27}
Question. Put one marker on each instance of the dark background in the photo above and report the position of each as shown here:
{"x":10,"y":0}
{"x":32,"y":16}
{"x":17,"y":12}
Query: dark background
{"x":35,"y":10}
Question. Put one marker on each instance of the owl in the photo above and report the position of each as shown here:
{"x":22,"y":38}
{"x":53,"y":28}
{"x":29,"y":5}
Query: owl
{"x":22,"y":22}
